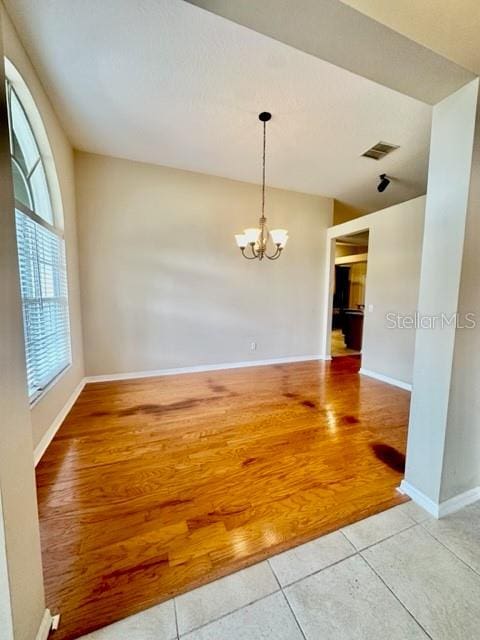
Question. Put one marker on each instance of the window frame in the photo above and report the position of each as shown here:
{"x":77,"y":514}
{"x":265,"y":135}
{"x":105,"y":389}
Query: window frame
{"x":53,"y":227}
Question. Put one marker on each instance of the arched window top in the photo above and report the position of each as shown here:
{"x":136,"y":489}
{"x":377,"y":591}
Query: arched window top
{"x":36,"y":184}
{"x":29,"y":178}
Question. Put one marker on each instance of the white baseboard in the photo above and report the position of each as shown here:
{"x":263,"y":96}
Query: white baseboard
{"x":444,"y":508}
{"x":420,"y":498}
{"x":458,"y":502}
{"x":45,"y":626}
{"x":387,"y":379}
{"x":55,"y":426}
{"x":200,"y":368}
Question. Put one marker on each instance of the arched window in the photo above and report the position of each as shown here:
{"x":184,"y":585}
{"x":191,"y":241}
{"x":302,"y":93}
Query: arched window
{"x":41,"y":254}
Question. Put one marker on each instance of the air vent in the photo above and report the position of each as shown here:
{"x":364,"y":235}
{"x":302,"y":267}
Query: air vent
{"x":380,"y":150}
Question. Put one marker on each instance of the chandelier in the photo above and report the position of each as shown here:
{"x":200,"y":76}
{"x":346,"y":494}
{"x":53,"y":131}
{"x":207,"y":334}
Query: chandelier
{"x":258,"y":243}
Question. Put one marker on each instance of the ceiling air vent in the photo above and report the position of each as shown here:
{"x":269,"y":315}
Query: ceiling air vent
{"x":380,"y":150}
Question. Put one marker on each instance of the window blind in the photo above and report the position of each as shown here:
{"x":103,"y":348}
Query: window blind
{"x":43,"y":282}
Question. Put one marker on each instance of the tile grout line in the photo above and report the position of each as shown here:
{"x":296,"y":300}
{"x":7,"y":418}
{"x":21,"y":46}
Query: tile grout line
{"x":290,"y":584}
{"x":464,"y":562}
{"x":293,"y":614}
{"x":359,"y":552}
{"x":279,"y":588}
{"x":355,"y":552}
{"x":274,"y":574}
{"x":395,"y":596}
{"x":176,"y":615}
{"x":314,"y":573}
{"x":287,"y":600}
{"x":369,"y":546}
{"x":247,"y":604}
{"x":346,"y":538}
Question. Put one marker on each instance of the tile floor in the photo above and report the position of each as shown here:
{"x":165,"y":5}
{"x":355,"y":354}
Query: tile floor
{"x":399,"y":575}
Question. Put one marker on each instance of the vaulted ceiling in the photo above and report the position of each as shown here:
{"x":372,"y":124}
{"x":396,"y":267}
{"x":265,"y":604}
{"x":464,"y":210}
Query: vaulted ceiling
{"x":165,"y":82}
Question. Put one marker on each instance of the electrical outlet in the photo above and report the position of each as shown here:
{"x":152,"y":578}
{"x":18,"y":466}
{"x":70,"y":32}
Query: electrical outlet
{"x":253,"y":346}
{"x":370,"y":308}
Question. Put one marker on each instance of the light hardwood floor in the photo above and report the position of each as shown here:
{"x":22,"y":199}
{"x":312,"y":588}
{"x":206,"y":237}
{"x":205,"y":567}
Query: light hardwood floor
{"x":157,"y":485}
{"x":337,"y":345}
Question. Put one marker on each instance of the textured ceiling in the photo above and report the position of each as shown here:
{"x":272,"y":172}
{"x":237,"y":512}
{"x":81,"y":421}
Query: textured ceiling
{"x":166,"y":82}
{"x":341,"y":35}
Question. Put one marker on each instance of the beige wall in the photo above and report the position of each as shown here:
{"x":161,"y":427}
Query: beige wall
{"x":163,"y":283}
{"x":393,"y":275}
{"x":45,"y":410}
{"x":343,"y":212}
{"x":461,"y":463}
{"x":448,"y":27}
{"x":22,"y":602}
{"x":438,"y":374}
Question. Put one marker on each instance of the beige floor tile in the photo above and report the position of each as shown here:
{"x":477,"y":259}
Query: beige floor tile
{"x":151,"y":624}
{"x":311,"y":557}
{"x":202,"y":605}
{"x":267,"y":619}
{"x":349,"y":602}
{"x":414,"y":512}
{"x":378,"y":527}
{"x":460,"y":532}
{"x":437,"y":588}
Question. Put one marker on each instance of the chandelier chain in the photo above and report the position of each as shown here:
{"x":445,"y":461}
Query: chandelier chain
{"x":263,"y":167}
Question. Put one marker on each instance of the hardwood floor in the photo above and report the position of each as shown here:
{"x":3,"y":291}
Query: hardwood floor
{"x":154,"y":486}
{"x":338,"y":347}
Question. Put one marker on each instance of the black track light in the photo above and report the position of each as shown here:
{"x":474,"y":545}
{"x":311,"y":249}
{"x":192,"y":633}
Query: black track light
{"x":384,"y":182}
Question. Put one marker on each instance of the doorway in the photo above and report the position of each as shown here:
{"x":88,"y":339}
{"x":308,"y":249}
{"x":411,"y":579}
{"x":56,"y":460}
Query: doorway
{"x":350,"y":275}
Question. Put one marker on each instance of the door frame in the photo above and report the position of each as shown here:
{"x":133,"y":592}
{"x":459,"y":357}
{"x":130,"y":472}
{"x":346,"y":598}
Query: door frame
{"x":357,"y":225}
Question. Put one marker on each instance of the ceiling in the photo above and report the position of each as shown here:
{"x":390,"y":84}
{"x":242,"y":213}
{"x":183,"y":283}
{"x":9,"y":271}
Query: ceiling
{"x":355,"y":239}
{"x":165,"y":82}
{"x":333,"y":31}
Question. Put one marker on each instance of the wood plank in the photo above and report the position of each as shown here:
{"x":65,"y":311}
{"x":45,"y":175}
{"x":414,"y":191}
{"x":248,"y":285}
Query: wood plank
{"x":154,"y":486}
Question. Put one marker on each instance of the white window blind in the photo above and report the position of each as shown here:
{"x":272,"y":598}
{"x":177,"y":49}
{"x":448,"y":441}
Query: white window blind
{"x":43,"y":281}
{"x":41,"y":256}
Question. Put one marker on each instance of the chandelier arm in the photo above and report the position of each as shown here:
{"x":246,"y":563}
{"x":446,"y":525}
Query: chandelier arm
{"x":276,"y":255}
{"x":252,"y":257}
{"x":255,"y":252}
{"x":276,"y":252}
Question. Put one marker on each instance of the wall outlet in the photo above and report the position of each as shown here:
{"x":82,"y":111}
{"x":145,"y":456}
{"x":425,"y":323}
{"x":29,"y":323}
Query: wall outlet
{"x":253,"y":346}
{"x":370,"y":308}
